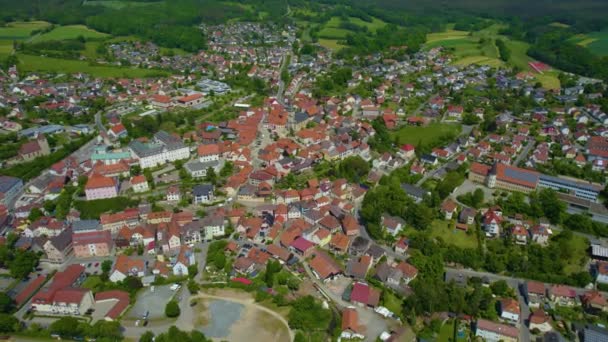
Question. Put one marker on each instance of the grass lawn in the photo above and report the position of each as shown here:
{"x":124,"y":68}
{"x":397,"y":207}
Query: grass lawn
{"x":439,"y":229}
{"x":429,"y":134}
{"x":481,"y":60}
{"x":579,"y":246}
{"x":373,"y":26}
{"x":91,"y":282}
{"x":6,"y":47}
{"x":70,"y":32}
{"x":38,"y":63}
{"x":392,"y":302}
{"x":333,"y":32}
{"x":447,"y":331}
{"x":330,"y":44}
{"x":21,"y":29}
{"x":447,"y":35}
{"x":549,"y":79}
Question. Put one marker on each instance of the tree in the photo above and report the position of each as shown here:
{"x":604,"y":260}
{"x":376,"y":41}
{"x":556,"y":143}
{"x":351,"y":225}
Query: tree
{"x":551,"y":206}
{"x":148,"y":336}
{"x":107,"y":330}
{"x":499,"y":288}
{"x":106,"y":266}
{"x":8,"y":323}
{"x":192,"y":271}
{"x":227,"y":169}
{"x":193,"y":286}
{"x":23,"y":263}
{"x":308,"y":315}
{"x":172,"y":309}
{"x":211,"y":177}
{"x":35,"y":214}
{"x":6,"y":303}
{"x":66,"y":327}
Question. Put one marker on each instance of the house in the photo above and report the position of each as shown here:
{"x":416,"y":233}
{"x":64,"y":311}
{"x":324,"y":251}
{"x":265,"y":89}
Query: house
{"x":408,"y":270}
{"x":173,"y":194}
{"x":213,"y":227}
{"x":540,"y":320}
{"x":540,"y":234}
{"x":120,"y":300}
{"x":562,"y":295}
{"x":324,"y":267}
{"x":58,"y":248}
{"x":190,"y":100}
{"x":448,"y":208}
{"x":91,"y":244}
{"x":402,"y":245}
{"x":509,"y":310}
{"x":185,"y":258}
{"x":491,"y":223}
{"x":35,"y":148}
{"x":125,"y":266}
{"x":202,"y":193}
{"x":389,"y":275}
{"x":100,"y":187}
{"x":350,"y":225}
{"x":63,"y":295}
{"x":467,"y":215}
{"x":495,"y":332}
{"x":392,"y":224}
{"x":358,"y":267}
{"x":302,"y":246}
{"x":535,"y":293}
{"x":601,"y":268}
{"x":594,"y":302}
{"x":519,"y":234}
{"x":364,"y":295}
{"x":415,"y":192}
{"x":139,"y":184}
{"x":350,"y":323}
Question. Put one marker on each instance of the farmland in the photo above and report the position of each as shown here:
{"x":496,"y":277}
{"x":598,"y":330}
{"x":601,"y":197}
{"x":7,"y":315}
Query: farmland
{"x":38,"y":63}
{"x":118,"y":4}
{"x":20,"y":30}
{"x":596,"y":42}
{"x":480,"y":48}
{"x":332,"y":30}
{"x":69,"y":32}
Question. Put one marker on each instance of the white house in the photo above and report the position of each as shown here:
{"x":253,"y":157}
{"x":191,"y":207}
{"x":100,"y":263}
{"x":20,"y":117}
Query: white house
{"x":509,"y":310}
{"x":139,"y":184}
{"x":184,"y":259}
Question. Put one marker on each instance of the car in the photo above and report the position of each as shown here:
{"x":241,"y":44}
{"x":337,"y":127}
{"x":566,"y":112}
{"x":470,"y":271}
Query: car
{"x":145,"y":323}
{"x":174,"y":287}
{"x":193,"y":303}
{"x":89,"y":265}
{"x":152,"y":288}
{"x":96,"y":264}
{"x":247,"y":245}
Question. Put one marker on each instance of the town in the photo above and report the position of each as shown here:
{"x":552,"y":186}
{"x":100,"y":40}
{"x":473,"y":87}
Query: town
{"x":397,"y":196}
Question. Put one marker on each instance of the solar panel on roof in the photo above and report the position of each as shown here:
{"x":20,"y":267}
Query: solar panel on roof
{"x":523,"y":176}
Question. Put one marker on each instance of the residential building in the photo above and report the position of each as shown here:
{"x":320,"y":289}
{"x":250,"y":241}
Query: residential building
{"x":35,"y":148}
{"x":91,"y":244}
{"x":9,"y":189}
{"x":100,"y":187}
{"x":202,"y":193}
{"x":58,"y":248}
{"x":509,"y":310}
{"x":165,"y":148}
{"x":125,"y":266}
{"x":184,"y":258}
{"x":139,"y":184}
{"x":495,"y":332}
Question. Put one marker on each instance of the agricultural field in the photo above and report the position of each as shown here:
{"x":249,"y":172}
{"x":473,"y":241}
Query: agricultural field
{"x":69,"y":32}
{"x":596,"y":42}
{"x":330,"y":44}
{"x":429,"y":134}
{"x":20,"y":30}
{"x":38,"y":63}
{"x":118,"y":4}
{"x":332,"y":30}
{"x":479,"y":48}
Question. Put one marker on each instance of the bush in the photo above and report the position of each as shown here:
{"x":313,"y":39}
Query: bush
{"x":172,"y":309}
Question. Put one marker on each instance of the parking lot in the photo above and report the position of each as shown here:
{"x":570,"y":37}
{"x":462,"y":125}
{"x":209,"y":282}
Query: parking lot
{"x":93,"y":267}
{"x":152,"y":302}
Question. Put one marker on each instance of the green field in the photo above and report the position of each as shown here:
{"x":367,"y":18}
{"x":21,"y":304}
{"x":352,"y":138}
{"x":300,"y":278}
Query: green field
{"x":578,"y":246}
{"x":596,"y":42}
{"x":64,"y":66}
{"x":69,"y":32}
{"x":426,"y":135}
{"x":331,"y":29}
{"x":119,"y":4}
{"x":21,"y":30}
{"x":440,"y":229}
{"x":479,"y":48}
{"x":333,"y":33}
{"x":330,"y":44}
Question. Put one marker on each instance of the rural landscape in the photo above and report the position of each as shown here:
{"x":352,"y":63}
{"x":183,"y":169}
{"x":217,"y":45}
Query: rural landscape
{"x":303,"y":171}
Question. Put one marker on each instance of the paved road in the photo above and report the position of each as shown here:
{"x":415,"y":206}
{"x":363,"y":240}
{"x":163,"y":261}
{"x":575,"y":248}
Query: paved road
{"x":281,"y":89}
{"x":525,"y":152}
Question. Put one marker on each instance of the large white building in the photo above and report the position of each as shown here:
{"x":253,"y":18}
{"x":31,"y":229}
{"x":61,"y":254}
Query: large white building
{"x":165,"y":148}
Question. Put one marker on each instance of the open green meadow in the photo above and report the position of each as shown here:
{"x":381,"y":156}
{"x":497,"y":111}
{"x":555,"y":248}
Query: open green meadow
{"x":332,"y":30}
{"x":439,"y":230}
{"x":20,"y":30}
{"x":69,"y":32}
{"x":330,"y":44}
{"x":64,"y":66}
{"x":596,"y":42}
{"x":425,"y":134}
{"x":479,"y":47}
{"x":119,"y":4}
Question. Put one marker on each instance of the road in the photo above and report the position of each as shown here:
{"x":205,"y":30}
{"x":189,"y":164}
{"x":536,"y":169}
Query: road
{"x":281,"y":89}
{"x":525,"y":152}
{"x":98,"y":122}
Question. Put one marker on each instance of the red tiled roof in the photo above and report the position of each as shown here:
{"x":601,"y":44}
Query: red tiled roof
{"x":121,"y":296}
{"x":98,"y":181}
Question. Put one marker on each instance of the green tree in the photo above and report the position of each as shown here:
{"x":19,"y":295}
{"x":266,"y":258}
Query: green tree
{"x":35,"y":214}
{"x":148,"y":336}
{"x":308,"y":315}
{"x":66,"y":327}
{"x":172,"y":309}
{"x":106,"y":266}
{"x":6,"y":303}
